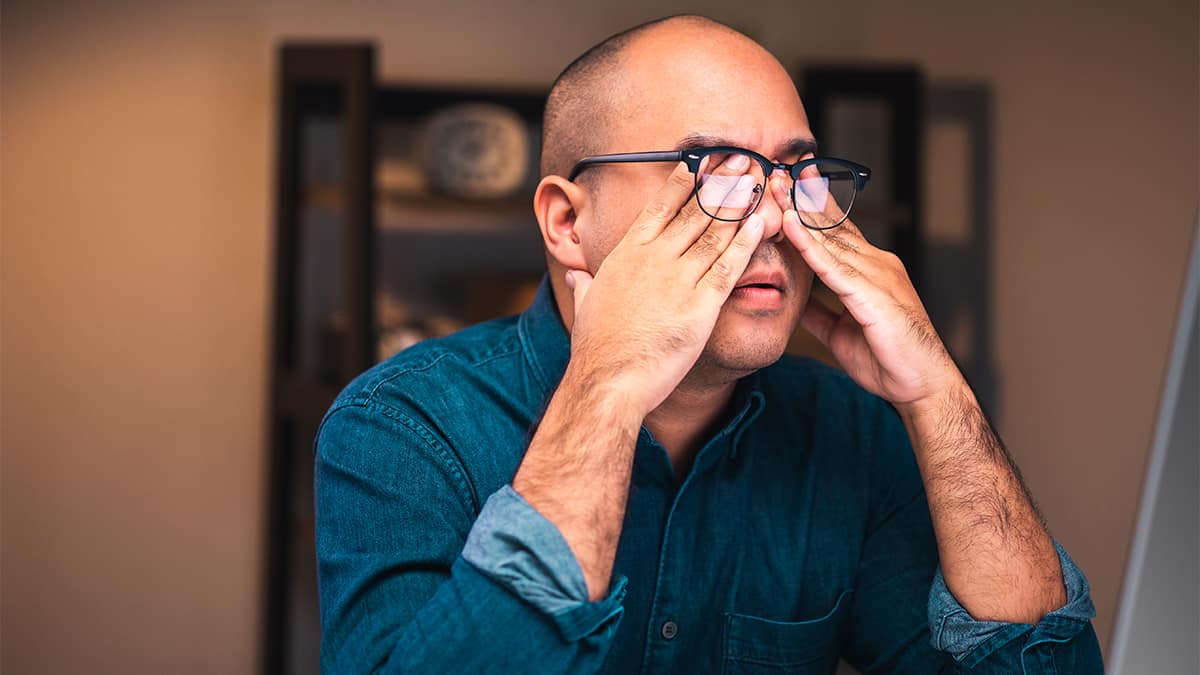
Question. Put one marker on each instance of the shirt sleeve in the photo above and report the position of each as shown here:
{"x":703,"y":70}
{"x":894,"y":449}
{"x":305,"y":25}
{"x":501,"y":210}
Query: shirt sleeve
{"x":395,"y":510}
{"x":905,"y":621}
{"x":518,"y":548}
{"x":970,"y":642}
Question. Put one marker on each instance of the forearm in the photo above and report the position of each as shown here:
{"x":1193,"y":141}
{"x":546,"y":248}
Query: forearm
{"x":994,"y":551}
{"x":577,"y":469}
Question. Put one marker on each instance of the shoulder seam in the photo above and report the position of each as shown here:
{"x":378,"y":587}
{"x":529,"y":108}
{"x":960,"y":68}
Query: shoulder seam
{"x":485,"y":358}
{"x":450,"y":460}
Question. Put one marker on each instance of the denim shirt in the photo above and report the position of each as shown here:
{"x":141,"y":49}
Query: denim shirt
{"x":800,"y":534}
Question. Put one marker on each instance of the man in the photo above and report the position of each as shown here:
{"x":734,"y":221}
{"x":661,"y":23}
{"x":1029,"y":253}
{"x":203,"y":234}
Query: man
{"x":629,"y":478}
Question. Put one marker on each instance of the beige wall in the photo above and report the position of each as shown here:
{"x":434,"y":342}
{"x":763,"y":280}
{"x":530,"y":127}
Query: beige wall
{"x":135,"y":212}
{"x":1095,"y":203}
{"x":135,"y":204}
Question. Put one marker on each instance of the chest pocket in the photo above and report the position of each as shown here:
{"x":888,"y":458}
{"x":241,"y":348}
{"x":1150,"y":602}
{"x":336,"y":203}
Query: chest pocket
{"x":755,"y":646}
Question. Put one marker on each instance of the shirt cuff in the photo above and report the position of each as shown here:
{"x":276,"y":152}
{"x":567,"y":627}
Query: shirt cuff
{"x":952,"y":630}
{"x":518,"y":548}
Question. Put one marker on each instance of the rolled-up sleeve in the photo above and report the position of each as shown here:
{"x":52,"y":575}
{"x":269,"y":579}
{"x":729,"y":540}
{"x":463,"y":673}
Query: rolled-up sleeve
{"x":518,"y":548}
{"x":395,"y":513}
{"x":1063,"y":635}
{"x":905,"y":619}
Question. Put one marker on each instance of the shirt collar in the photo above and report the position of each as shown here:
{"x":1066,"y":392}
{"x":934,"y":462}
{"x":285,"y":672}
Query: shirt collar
{"x":750,"y":388}
{"x":544,"y":338}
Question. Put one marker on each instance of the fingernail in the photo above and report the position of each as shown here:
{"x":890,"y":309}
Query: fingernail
{"x":738,"y":162}
{"x":755,"y":221}
{"x":570,"y":279}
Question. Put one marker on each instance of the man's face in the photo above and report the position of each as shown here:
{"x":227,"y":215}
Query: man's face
{"x":731,"y":91}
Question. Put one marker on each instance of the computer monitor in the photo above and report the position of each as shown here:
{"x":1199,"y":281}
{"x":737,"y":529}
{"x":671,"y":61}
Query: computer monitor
{"x":1158,"y":618}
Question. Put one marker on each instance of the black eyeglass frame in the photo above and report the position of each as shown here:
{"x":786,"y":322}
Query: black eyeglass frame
{"x":692,"y":158}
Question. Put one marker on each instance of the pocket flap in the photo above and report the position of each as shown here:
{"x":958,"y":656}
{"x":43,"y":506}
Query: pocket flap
{"x":766,"y":641}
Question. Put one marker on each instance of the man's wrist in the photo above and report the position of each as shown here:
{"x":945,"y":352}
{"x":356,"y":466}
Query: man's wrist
{"x":945,"y":425}
{"x":595,"y":395}
{"x":948,"y":402}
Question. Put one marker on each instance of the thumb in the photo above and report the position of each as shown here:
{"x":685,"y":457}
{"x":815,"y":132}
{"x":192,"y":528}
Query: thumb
{"x":578,"y":281}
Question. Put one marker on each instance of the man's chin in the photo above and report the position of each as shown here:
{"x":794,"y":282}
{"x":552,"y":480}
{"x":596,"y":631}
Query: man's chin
{"x":729,"y":357}
{"x":744,"y":340}
{"x":746,"y":362}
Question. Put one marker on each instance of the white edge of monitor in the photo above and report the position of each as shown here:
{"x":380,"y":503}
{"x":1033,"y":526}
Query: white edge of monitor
{"x":1158,"y":449}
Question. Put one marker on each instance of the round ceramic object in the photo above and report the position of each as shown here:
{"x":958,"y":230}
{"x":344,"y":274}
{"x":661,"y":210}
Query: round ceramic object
{"x":476,"y":150}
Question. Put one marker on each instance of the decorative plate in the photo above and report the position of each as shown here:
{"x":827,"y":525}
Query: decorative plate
{"x":476,"y":150}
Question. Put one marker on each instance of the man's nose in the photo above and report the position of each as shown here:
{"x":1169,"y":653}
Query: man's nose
{"x":772,"y":206}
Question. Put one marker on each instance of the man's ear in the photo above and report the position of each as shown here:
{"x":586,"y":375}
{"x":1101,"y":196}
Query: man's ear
{"x":561,"y":209}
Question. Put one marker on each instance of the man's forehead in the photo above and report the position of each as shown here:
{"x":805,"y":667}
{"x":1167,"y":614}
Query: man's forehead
{"x":796,"y":145}
{"x":775,"y":137}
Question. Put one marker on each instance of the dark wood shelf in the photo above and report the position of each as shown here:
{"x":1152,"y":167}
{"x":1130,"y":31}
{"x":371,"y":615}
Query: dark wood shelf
{"x":346,"y":231}
{"x":305,"y":397}
{"x":432,"y":214}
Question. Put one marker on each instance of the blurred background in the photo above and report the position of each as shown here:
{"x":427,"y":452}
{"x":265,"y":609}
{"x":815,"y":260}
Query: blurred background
{"x":214,"y":213}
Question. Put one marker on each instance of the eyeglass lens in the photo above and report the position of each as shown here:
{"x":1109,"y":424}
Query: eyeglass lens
{"x":823,"y":194}
{"x":725,"y":190}
{"x":729,"y":185}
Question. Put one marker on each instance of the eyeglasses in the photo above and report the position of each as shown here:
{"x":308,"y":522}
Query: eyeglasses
{"x":822,"y":188}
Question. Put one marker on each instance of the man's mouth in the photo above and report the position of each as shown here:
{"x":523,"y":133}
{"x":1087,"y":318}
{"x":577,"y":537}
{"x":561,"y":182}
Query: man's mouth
{"x":760,"y":290}
{"x":766,"y":280}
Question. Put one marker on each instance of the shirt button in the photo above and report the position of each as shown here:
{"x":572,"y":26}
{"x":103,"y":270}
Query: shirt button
{"x":669,"y":630}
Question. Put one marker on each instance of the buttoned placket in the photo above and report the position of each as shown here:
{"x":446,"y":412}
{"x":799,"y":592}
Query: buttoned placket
{"x":668,"y":620}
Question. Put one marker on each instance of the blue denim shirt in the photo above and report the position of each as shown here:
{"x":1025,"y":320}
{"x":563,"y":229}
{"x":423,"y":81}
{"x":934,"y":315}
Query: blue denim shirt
{"x":801,"y":534}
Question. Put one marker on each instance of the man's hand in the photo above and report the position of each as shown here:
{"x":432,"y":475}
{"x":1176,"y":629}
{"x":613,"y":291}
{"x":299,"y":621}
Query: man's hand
{"x":642,"y":322}
{"x":885,"y":340}
{"x":639,"y":327}
{"x":994,"y":551}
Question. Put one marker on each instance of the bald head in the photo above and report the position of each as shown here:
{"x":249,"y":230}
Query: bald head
{"x":679,"y":82}
{"x":601,"y":87}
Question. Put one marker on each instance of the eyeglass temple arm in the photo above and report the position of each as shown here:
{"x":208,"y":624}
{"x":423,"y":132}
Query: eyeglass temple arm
{"x":625,"y":158}
{"x":859,"y":173}
{"x":860,"y":178}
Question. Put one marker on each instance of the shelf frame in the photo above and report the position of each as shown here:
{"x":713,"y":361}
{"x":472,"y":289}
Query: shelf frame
{"x":313,"y":79}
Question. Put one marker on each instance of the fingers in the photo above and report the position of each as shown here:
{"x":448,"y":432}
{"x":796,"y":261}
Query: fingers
{"x":842,"y":269}
{"x":818,"y":193}
{"x":725,"y":271}
{"x":728,"y":196}
{"x":579,"y":282}
{"x":864,"y":280}
{"x":726,"y":191}
{"x":668,"y":204}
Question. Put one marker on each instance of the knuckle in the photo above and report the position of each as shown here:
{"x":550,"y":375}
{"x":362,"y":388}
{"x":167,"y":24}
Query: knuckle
{"x":708,"y":242}
{"x":682,"y":178}
{"x":720,"y":274}
{"x":742,"y":243}
{"x":657,"y":209}
{"x":892,"y":266}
